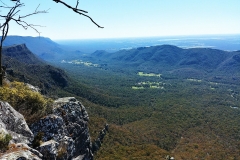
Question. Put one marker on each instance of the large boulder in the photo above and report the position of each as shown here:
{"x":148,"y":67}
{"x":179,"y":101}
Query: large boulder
{"x":61,"y":135}
{"x":68,"y":127}
{"x":21,"y":151}
{"x":14,"y":123}
{"x":49,"y":149}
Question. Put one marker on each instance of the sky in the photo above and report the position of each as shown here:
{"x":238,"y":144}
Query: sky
{"x":131,"y":18}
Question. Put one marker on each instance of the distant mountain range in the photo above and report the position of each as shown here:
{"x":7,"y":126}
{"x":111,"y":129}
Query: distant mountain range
{"x":43,"y":47}
{"x":198,"y":62}
{"x":169,"y":59}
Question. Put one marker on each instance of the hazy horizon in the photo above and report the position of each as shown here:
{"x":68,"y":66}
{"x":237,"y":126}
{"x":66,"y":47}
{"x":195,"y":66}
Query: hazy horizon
{"x":136,"y":18}
{"x":223,"y":42}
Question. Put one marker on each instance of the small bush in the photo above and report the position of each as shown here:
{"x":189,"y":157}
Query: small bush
{"x":4,"y":141}
{"x":62,"y":151}
{"x":37,"y":140}
{"x":31,"y":104}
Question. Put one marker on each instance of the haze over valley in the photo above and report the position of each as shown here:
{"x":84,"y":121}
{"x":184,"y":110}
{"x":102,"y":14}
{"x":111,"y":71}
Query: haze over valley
{"x":160,"y":96}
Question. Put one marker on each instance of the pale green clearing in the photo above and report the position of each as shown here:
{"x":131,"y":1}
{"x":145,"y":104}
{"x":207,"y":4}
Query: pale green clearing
{"x":213,"y":83}
{"x":148,"y":74}
{"x":147,"y":85}
{"x":80,"y":62}
{"x":134,"y":87}
{"x":212,"y":88}
{"x":194,"y":80}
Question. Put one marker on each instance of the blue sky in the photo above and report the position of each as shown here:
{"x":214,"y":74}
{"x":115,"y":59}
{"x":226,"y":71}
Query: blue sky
{"x":133,"y":18}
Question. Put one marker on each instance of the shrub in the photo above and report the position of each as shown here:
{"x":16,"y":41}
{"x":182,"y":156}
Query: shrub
{"x":37,"y":140}
{"x":4,"y":140}
{"x":31,"y":104}
{"x":62,"y":151}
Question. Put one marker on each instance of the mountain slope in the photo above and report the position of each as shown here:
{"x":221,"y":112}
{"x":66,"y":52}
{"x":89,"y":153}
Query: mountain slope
{"x":173,"y":60}
{"x":24,"y":66}
{"x":43,"y":47}
{"x":22,"y":54}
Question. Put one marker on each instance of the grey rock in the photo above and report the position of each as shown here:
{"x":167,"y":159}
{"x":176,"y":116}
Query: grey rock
{"x":15,"y":124}
{"x":49,"y":149}
{"x":33,"y":88}
{"x":3,"y":129}
{"x":52,"y":126}
{"x":98,"y":142}
{"x":65,"y":132}
{"x":21,"y":150}
{"x":66,"y":148}
{"x":68,"y":126}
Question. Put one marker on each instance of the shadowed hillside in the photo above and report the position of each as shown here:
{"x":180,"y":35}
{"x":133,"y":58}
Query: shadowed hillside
{"x":43,"y":47}
{"x":24,"y":66}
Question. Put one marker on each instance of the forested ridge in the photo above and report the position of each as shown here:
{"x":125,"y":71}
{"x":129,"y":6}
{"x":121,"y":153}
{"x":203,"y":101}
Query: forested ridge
{"x":150,"y":114}
{"x":153,"y":116}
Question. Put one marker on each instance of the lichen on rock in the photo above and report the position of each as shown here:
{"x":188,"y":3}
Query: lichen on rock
{"x":15,"y":124}
{"x":63,"y":134}
{"x":68,"y":126}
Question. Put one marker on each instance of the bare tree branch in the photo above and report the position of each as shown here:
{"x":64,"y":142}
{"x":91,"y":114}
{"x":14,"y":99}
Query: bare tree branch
{"x":77,"y":4}
{"x":13,"y":14}
{"x":79,"y":11}
{"x":3,"y":3}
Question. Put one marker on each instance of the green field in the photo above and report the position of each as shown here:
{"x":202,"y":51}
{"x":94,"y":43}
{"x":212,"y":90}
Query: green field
{"x":80,"y":62}
{"x":148,"y":84}
{"x":149,"y":74}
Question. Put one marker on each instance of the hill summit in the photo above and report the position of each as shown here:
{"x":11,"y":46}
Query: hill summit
{"x":23,"y":65}
{"x":168,"y":59}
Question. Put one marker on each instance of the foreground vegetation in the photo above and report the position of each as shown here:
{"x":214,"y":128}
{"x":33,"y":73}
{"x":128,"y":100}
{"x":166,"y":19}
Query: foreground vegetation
{"x":31,"y":104}
{"x":188,"y":119}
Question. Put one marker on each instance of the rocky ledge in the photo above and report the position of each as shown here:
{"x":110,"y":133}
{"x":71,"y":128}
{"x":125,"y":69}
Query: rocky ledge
{"x":62,"y":135}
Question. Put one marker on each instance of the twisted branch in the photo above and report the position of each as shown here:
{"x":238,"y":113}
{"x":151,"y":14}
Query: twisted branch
{"x":13,"y":15}
{"x":79,"y":11}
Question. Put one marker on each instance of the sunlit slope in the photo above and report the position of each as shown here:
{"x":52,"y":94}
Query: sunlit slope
{"x":195,"y":62}
{"x":182,"y":116}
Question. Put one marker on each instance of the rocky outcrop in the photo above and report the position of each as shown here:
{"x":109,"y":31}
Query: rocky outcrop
{"x":15,"y":124}
{"x":21,"y":151}
{"x":61,"y":135}
{"x":98,"y":142}
{"x":33,"y":88}
{"x":49,"y":149}
{"x":65,"y":131}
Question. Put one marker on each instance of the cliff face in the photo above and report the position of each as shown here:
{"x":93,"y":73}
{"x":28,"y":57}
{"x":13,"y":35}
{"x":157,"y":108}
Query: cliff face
{"x":22,"y":65}
{"x":14,"y":123}
{"x":22,"y":54}
{"x":61,"y":135}
{"x":66,"y":128}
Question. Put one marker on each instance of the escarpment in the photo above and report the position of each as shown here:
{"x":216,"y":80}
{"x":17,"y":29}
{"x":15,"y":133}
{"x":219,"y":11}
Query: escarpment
{"x":63,"y":134}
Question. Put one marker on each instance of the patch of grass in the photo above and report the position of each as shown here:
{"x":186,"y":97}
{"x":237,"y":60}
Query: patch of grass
{"x":149,"y":74}
{"x":62,"y":151}
{"x":134,"y":87}
{"x":37,"y":140}
{"x":4,"y":141}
